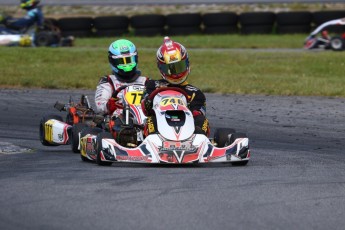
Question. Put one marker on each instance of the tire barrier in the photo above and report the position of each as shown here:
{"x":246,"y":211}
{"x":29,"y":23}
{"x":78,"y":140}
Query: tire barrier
{"x":108,"y":26}
{"x":257,"y":22}
{"x":183,"y":24}
{"x":220,"y":23}
{"x":78,"y":27}
{"x":195,"y":23}
{"x":293,"y":22}
{"x":148,"y":25}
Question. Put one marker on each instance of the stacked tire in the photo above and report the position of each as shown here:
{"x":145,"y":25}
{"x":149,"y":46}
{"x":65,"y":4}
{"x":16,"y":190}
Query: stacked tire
{"x":220,"y":23}
{"x":257,"y":22}
{"x":148,"y":25}
{"x":293,"y":22}
{"x":78,"y":27}
{"x":320,"y":17}
{"x":108,"y":26}
{"x":183,"y":24}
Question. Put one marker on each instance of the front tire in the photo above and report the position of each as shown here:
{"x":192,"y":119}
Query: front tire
{"x":42,"y":133}
{"x":100,"y":136}
{"x":221,"y":136}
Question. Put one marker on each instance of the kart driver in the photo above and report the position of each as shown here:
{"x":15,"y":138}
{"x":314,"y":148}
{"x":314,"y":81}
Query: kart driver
{"x":123,"y":59}
{"x":173,"y":65}
{"x":33,"y":16}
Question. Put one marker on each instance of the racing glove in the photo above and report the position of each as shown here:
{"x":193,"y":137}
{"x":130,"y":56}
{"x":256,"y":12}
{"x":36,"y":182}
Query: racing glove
{"x":196,"y":113}
{"x":112,"y":105}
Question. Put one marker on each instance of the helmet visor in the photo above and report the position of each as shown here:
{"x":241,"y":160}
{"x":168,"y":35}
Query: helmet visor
{"x":174,"y":68}
{"x":124,"y":62}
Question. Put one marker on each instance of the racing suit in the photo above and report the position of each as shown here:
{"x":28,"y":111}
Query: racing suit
{"x":197,"y":105}
{"x":104,"y":92}
{"x":22,"y":25}
{"x":105,"y":89}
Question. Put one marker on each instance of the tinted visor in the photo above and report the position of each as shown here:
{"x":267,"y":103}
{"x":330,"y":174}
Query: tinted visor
{"x":174,"y":68}
{"x":123,"y":60}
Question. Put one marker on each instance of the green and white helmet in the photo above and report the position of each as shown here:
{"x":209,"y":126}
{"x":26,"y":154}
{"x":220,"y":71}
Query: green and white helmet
{"x":123,"y":59}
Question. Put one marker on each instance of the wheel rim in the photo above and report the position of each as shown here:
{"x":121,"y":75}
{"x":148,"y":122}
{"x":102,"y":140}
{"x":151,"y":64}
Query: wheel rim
{"x":336,"y":44}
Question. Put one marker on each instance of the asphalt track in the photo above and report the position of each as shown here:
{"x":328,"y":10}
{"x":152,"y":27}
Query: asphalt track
{"x":295,"y":179}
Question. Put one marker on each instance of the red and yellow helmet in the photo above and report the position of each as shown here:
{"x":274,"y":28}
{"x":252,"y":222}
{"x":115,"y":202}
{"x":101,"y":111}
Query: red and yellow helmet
{"x":173,"y":61}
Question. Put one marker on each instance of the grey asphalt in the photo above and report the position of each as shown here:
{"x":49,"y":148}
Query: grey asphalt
{"x":166,"y":2}
{"x":295,"y":179}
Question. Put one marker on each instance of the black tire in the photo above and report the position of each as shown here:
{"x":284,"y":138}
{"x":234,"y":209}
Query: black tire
{"x":337,"y":43}
{"x":46,"y":38}
{"x":221,"y":136}
{"x":43,"y":120}
{"x":183,"y":30}
{"x":220,"y":19}
{"x":76,"y":129}
{"x":89,"y":130}
{"x":234,"y":136}
{"x":100,"y":136}
{"x":149,"y":31}
{"x":294,"y":18}
{"x":75,"y":24}
{"x":257,"y":29}
{"x":110,"y":32}
{"x":77,"y":33}
{"x":147,"y":21}
{"x":232,"y":139}
{"x":183,"y":20}
{"x":257,"y":18}
{"x":111,"y":22}
{"x":220,"y":29}
{"x":293,"y":29}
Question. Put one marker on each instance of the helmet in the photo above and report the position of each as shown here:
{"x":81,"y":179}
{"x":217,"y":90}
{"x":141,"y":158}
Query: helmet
{"x":123,"y":59}
{"x":173,"y":61}
{"x":28,"y":4}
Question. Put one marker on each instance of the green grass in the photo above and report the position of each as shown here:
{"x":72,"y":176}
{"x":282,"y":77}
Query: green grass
{"x":208,"y":41}
{"x":213,"y":70}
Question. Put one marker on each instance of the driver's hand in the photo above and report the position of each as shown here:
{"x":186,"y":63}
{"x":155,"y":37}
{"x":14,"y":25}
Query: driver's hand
{"x":161,"y":85}
{"x":111,"y":105}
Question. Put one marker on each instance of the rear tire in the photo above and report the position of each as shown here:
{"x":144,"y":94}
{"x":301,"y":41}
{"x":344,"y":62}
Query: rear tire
{"x":46,"y":38}
{"x":42,"y":129}
{"x":100,"y":136}
{"x":337,"y":43}
{"x":221,"y":136}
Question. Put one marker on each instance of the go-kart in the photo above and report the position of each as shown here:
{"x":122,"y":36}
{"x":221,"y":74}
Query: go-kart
{"x":130,"y":122}
{"x":49,"y":35}
{"x":320,"y":37}
{"x":54,"y":131}
{"x":175,"y":142}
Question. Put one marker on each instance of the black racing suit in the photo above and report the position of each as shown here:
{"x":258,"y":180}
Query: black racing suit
{"x":197,"y":104}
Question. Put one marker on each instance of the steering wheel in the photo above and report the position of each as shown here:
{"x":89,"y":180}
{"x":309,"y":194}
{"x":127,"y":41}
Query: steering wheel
{"x":117,"y":91}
